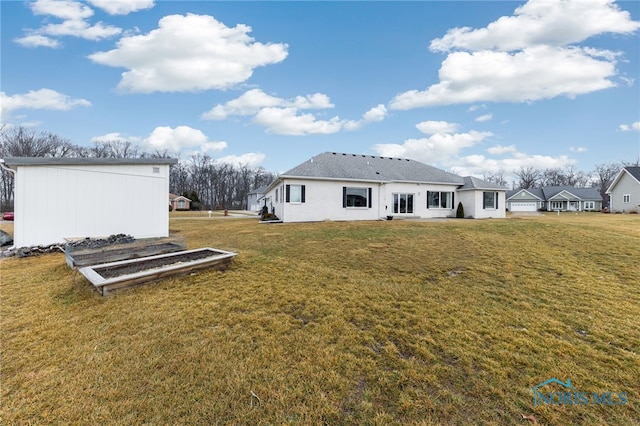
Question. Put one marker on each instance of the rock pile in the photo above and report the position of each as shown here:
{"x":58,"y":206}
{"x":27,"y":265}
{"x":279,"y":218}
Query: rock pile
{"x":84,"y":244}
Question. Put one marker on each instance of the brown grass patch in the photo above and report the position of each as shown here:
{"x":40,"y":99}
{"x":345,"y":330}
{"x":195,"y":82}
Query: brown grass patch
{"x":395,"y":322}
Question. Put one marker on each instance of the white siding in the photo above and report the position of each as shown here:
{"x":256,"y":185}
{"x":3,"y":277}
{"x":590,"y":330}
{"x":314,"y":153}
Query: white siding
{"x":625,"y":185}
{"x":472,"y":201}
{"x":70,"y":201}
{"x":323,"y":201}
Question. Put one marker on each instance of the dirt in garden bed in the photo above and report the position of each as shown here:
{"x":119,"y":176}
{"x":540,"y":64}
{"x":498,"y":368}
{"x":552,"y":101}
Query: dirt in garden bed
{"x":132,"y":268}
{"x":123,"y":253}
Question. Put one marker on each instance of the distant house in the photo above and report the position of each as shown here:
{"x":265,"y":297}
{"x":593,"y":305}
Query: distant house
{"x":337,"y":186}
{"x":625,"y":190}
{"x":254,"y":197}
{"x":554,"y":198}
{"x":60,"y":198}
{"x":179,"y":202}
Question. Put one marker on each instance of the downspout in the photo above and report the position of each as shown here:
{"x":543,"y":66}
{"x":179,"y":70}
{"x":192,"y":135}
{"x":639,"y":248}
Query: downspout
{"x":13,"y":172}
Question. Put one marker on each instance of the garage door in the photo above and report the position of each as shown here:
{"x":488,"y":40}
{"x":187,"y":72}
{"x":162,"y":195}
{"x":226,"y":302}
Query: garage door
{"x":523,"y":207}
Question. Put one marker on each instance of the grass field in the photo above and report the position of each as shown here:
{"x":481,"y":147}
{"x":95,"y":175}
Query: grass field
{"x":399,"y":322}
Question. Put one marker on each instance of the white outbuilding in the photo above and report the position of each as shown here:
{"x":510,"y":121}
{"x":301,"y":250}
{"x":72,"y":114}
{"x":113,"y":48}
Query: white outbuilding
{"x":63,"y":198}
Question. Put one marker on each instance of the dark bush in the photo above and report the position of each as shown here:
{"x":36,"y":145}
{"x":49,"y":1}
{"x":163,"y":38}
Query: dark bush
{"x":460,"y":211}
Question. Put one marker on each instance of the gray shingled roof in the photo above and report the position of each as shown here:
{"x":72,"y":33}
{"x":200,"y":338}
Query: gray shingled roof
{"x":471,"y":182}
{"x":634,"y":171}
{"x":63,"y":161}
{"x":582,"y":193}
{"x":333,"y":165}
{"x":547,"y":192}
{"x":535,"y":191}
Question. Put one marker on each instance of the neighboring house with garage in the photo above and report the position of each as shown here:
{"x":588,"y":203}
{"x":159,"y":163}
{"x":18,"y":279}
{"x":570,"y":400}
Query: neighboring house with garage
{"x":345,"y":187}
{"x":62,"y":198}
{"x":179,"y":202}
{"x":625,"y":190}
{"x":253,"y":197}
{"x":554,"y":198}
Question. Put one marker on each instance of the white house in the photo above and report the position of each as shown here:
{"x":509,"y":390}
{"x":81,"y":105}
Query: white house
{"x":625,"y":190}
{"x":337,"y":186}
{"x":59,"y":198}
{"x":554,"y":198}
{"x":253,"y":197}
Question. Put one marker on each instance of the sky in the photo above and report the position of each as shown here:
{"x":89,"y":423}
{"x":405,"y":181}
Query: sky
{"x":472,"y":87}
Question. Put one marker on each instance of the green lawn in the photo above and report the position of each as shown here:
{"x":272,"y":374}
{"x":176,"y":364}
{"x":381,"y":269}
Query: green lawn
{"x":398,"y":322}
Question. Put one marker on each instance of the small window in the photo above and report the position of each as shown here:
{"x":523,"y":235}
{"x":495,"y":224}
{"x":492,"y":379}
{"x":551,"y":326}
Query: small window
{"x":589,"y":205}
{"x":156,"y":170}
{"x":277,"y":199}
{"x":556,"y":205}
{"x":439,"y":200}
{"x":490,"y":200}
{"x":295,"y":194}
{"x":626,"y":198}
{"x":356,"y":197}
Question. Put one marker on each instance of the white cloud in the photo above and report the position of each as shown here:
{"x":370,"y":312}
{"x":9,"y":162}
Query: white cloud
{"x":189,"y":53}
{"x":38,"y":99}
{"x":578,"y":149}
{"x":499,"y":149}
{"x":116,"y":137}
{"x":122,"y":7}
{"x":438,"y":148}
{"x":477,"y":165}
{"x":182,"y":138}
{"x":284,"y":116}
{"x":74,"y":23}
{"x":535,"y":73}
{"x":432,"y":127}
{"x":635,"y":126}
{"x":37,"y":40}
{"x":485,"y":117}
{"x":251,"y":159}
{"x":287,"y":121}
{"x":81,"y":29}
{"x":252,"y":101}
{"x":63,"y":9}
{"x":529,"y":56}
{"x":542,"y":22}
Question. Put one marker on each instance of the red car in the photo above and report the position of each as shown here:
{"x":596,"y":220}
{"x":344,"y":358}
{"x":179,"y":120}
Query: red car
{"x":7,"y":216}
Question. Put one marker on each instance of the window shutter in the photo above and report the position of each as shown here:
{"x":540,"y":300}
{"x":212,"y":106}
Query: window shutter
{"x":302,"y":193}
{"x":453,"y":200}
{"x":496,"y":200}
{"x":428,"y":192}
{"x":370,"y":191}
{"x":288,"y":189}
{"x":344,"y":197}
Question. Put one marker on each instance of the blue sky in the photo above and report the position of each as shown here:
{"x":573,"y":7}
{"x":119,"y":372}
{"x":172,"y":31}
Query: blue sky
{"x":468,"y":86}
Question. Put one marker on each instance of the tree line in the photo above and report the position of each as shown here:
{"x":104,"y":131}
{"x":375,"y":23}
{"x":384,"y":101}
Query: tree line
{"x":210,"y":183}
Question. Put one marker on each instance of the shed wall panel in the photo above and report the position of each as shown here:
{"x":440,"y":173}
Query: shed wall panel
{"x":77,"y":201}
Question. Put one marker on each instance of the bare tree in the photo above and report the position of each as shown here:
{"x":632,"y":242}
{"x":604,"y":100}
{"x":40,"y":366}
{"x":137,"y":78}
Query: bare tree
{"x":605,"y":173}
{"x":527,"y":177}
{"x":575,"y":177}
{"x":553,"y":177}
{"x":497,"y":177}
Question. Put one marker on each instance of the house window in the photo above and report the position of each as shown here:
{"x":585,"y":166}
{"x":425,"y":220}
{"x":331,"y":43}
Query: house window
{"x":556,"y":205}
{"x":439,"y":200}
{"x":277,"y":198}
{"x":356,"y":197}
{"x":402,"y":203}
{"x":295,"y":194}
{"x":589,"y":205}
{"x":156,"y":170}
{"x":490,"y":200}
{"x":626,"y":198}
{"x":181,"y":204}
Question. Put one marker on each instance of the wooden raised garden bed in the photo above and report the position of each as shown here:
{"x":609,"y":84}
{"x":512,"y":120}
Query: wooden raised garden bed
{"x":127,"y":273}
{"x":77,"y":257}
